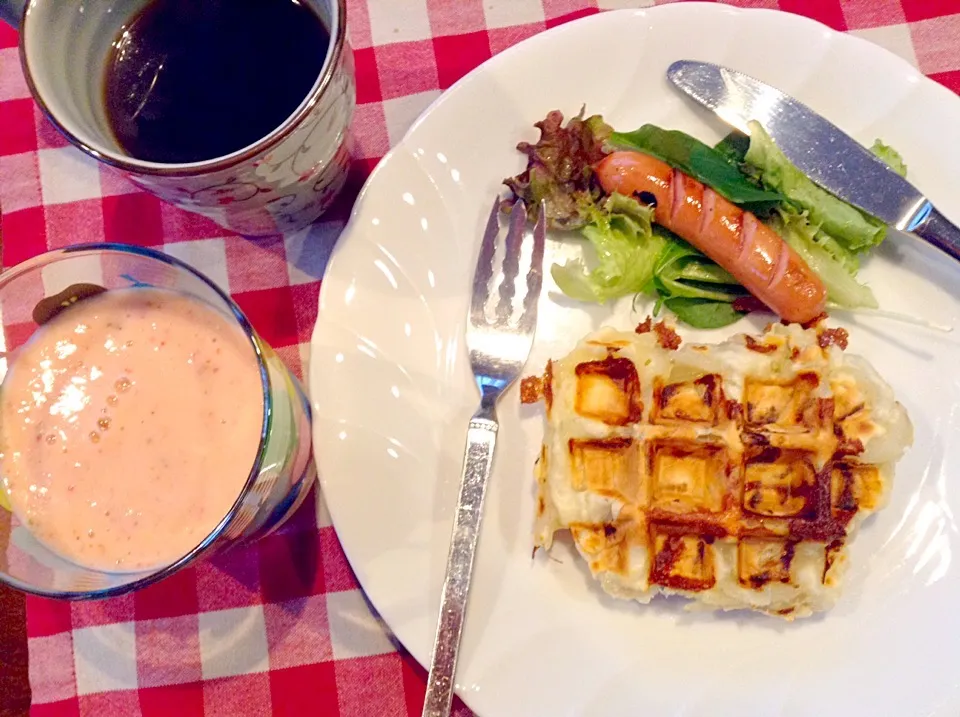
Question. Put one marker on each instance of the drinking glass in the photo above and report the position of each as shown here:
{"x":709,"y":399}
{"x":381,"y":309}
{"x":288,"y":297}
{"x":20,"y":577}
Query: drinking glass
{"x":280,"y":476}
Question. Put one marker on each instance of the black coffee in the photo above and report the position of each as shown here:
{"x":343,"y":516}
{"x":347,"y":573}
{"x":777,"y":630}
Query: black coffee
{"x":190,"y":80}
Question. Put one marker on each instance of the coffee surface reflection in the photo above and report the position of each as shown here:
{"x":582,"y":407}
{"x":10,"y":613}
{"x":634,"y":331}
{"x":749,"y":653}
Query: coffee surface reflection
{"x":177,"y":90}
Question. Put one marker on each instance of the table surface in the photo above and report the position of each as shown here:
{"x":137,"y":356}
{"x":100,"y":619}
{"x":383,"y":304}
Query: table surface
{"x":281,"y":627}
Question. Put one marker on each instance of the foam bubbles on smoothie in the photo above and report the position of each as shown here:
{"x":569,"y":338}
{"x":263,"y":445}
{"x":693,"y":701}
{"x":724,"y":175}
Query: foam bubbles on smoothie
{"x":188,"y":433}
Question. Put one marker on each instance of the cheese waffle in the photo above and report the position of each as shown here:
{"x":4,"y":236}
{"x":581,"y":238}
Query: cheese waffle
{"x":733,"y":474}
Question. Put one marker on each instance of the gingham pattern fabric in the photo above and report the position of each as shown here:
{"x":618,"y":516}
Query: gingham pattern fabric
{"x":281,"y":627}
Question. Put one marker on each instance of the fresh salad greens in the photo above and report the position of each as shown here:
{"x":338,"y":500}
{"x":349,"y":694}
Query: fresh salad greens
{"x":700,"y":161}
{"x":632,"y":255}
{"x":835,"y":267}
{"x":853,"y":230}
{"x":683,"y":272}
{"x":693,"y":287}
{"x":889,"y":156}
{"x":620,"y":230}
{"x":559,"y":169}
{"x":703,"y":313}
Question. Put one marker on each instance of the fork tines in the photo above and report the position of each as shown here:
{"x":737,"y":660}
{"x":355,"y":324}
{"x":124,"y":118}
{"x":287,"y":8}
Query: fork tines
{"x":484,"y":279}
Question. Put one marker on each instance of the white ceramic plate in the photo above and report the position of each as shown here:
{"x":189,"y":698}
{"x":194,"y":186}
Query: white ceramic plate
{"x":392,"y":393}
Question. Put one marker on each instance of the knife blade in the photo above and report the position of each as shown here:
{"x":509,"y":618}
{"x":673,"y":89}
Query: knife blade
{"x":820,"y":149}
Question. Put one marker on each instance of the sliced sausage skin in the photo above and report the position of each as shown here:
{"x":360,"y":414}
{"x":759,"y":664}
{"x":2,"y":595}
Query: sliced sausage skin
{"x":752,"y":252}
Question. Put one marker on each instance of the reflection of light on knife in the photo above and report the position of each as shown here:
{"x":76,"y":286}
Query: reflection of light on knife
{"x":917,"y":215}
{"x":759,"y":105}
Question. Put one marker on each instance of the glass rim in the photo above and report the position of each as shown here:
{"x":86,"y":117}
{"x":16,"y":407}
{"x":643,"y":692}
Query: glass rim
{"x":253,"y":339}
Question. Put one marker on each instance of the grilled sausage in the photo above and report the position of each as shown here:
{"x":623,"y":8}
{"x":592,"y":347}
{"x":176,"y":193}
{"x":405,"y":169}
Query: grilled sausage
{"x":752,"y":252}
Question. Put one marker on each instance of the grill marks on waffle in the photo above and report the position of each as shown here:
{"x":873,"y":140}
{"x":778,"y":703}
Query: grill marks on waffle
{"x":683,"y":562}
{"x":607,"y":467}
{"x":609,"y":391}
{"x":760,"y":474}
{"x":760,"y":562}
{"x":699,"y":401}
{"x":784,"y":405}
{"x":732,"y":474}
{"x":690,"y":477}
{"x":780,"y":483}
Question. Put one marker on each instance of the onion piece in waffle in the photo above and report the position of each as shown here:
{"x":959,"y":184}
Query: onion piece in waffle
{"x":732,"y":474}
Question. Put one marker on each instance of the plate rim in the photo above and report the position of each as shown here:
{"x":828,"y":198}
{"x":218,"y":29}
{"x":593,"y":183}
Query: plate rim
{"x":911,"y":73}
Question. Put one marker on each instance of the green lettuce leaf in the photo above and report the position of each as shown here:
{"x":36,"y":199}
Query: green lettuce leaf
{"x":829,"y":260}
{"x":734,"y":146}
{"x":703,"y":313}
{"x":890,"y":157}
{"x":682,"y":271}
{"x":620,"y":231}
{"x":850,"y":227}
{"x":693,"y":287}
{"x":698,"y":160}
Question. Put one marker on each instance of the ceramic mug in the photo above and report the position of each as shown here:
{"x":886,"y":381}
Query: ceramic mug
{"x":281,"y":183}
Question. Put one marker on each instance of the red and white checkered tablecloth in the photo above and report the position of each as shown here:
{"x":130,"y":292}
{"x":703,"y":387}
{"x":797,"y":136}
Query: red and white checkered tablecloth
{"x":281,"y":627}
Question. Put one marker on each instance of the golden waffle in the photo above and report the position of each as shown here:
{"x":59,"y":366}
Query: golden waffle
{"x":732,"y":474}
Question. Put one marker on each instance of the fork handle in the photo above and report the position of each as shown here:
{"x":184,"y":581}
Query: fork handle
{"x":477,"y":462}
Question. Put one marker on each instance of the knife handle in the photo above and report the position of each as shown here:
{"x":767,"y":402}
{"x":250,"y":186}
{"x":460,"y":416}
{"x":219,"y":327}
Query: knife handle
{"x":936,"y":229}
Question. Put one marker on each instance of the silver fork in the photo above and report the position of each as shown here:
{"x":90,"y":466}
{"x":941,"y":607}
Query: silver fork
{"x":499,"y":347}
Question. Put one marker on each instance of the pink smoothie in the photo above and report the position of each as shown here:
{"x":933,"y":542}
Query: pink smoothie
{"x":130,"y":423}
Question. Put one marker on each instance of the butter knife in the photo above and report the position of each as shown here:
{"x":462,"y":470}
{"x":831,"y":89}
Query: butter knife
{"x":820,"y":149}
